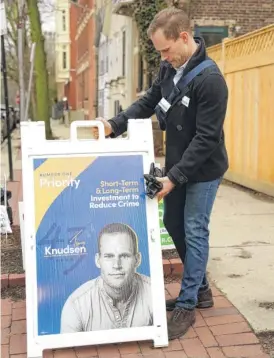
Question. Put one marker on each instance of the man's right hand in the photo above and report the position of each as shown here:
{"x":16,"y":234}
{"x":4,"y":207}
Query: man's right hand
{"x":107,"y":127}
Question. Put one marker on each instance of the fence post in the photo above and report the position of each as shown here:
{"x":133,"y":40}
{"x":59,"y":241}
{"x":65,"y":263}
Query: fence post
{"x":224,"y":41}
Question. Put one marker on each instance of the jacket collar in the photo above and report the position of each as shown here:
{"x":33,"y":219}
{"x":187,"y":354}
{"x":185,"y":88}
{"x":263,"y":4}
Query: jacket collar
{"x":198,"y":56}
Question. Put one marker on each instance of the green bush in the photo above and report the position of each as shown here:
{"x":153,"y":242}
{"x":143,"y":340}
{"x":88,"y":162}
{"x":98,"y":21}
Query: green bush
{"x":144,"y":12}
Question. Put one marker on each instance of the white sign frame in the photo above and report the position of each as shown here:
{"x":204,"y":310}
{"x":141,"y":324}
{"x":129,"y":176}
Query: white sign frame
{"x":35,"y":145}
{"x":22,"y":231}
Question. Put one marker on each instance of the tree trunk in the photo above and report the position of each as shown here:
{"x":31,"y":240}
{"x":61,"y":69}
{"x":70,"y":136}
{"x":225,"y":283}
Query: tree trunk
{"x":40,"y":66}
{"x":32,"y":109}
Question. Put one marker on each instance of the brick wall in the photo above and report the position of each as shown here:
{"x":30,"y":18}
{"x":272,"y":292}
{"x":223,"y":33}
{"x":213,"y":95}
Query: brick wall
{"x":248,"y":14}
{"x":85,"y":69}
{"x":73,"y":56}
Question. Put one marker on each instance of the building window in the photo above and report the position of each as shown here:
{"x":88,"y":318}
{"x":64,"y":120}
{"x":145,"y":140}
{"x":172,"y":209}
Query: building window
{"x":212,"y":35}
{"x":110,"y":55}
{"x":101,"y":61}
{"x":124,"y":53}
{"x":64,"y":24}
{"x":117,"y":107}
{"x":140,"y":74}
{"x":64,"y":60}
{"x":86,"y":84}
{"x":101,"y":103}
{"x":106,"y":56}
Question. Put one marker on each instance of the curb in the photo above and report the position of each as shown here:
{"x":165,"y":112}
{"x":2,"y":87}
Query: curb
{"x":12,"y":280}
{"x":170,"y":267}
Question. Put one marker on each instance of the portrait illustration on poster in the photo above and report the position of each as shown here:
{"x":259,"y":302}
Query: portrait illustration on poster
{"x":119,"y":297}
{"x":92,"y":251}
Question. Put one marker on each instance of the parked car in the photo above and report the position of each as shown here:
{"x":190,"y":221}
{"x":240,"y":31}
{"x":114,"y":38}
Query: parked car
{"x":12,"y":121}
{"x":12,"y":115}
{"x":4,"y":130}
{"x":17,"y":114}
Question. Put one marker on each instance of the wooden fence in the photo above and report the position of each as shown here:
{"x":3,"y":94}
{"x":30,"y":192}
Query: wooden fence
{"x":247,"y":63}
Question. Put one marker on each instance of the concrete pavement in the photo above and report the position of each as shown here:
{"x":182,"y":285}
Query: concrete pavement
{"x":242,"y":253}
{"x":242,"y":243}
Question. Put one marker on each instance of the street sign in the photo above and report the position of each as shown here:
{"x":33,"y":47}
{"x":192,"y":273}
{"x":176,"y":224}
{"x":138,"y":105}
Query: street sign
{"x":93,"y":259}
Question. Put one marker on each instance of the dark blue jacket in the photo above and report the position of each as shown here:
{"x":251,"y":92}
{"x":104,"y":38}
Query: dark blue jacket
{"x":195,"y":144}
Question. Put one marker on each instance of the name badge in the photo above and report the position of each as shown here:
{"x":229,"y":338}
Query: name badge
{"x":164,"y":105}
{"x":185,"y":101}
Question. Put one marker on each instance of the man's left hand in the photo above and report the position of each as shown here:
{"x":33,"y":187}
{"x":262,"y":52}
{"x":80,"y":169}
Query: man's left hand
{"x":167,"y":187}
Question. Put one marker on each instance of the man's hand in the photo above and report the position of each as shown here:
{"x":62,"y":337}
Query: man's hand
{"x":107,"y":126}
{"x":167,"y":187}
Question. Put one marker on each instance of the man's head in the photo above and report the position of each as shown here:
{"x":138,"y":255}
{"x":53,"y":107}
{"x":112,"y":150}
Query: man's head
{"x":118,"y":255}
{"x":170,"y":32}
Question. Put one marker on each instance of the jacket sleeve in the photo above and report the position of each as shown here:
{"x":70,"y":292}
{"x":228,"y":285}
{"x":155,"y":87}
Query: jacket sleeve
{"x":142,"y":108}
{"x":212,"y":97}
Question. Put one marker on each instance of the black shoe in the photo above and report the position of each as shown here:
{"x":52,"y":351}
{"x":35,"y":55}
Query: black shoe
{"x":205,"y":300}
{"x":170,"y":304}
{"x":179,"y":323}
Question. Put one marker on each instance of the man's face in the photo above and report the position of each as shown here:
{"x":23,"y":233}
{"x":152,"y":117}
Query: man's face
{"x":117,"y":260}
{"x":176,"y":52}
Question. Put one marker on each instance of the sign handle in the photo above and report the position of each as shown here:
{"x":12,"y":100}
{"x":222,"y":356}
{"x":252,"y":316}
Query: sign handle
{"x":91,"y":123}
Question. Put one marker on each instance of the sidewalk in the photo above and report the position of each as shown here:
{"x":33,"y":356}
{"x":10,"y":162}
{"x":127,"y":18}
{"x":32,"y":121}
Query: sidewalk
{"x":219,"y":332}
{"x":242,"y":251}
{"x":63,"y":132}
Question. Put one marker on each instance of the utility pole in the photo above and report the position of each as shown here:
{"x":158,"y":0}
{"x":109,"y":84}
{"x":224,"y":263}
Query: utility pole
{"x":32,"y":55}
{"x":20,"y":26}
{"x":5,"y":82}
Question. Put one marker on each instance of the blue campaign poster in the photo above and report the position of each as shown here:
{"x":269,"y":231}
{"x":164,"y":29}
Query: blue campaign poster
{"x":91,"y":244}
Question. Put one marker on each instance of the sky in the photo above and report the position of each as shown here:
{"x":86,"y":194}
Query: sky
{"x":47,"y":15}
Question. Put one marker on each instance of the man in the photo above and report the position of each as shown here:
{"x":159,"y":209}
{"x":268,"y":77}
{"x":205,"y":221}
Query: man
{"x":196,"y":157}
{"x":118,"y":298}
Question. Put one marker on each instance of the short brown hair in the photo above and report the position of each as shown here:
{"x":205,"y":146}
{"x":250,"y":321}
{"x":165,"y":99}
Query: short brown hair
{"x":172,"y":21}
{"x":119,"y":228}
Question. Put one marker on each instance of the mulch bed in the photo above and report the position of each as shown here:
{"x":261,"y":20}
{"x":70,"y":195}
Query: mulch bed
{"x":267,"y":341}
{"x":16,"y":293}
{"x":167,"y":255}
{"x":170,"y":254}
{"x":11,"y":262}
{"x":11,"y":252}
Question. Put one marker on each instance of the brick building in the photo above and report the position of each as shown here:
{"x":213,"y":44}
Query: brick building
{"x":85,"y":65}
{"x":62,"y":46}
{"x":216,"y":19}
{"x":70,"y":88}
{"x":211,"y":19}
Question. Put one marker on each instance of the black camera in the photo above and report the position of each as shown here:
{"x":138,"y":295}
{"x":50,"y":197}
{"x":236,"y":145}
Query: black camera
{"x":153,"y":186}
